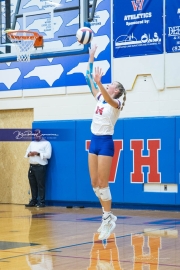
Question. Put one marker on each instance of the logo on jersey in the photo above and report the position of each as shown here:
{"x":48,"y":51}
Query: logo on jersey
{"x":99,"y":110}
{"x":137,"y":4}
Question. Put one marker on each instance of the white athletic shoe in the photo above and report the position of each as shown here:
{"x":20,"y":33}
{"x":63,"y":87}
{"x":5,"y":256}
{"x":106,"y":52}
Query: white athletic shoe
{"x":113,"y":217}
{"x":107,"y":230}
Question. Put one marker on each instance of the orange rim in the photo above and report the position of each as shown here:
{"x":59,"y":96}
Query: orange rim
{"x":13,"y":34}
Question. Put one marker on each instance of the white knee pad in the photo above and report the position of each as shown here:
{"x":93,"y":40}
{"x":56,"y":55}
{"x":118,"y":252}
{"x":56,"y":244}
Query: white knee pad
{"x":105,"y":194}
{"x":96,"y":191}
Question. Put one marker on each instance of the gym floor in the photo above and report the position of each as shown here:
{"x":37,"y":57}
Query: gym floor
{"x":61,"y":238}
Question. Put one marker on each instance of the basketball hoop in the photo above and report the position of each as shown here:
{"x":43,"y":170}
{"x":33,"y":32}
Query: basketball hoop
{"x":24,"y":41}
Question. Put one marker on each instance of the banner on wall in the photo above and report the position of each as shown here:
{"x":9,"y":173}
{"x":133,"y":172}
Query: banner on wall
{"x":172,"y":26}
{"x":55,"y":71}
{"x":138,"y":27}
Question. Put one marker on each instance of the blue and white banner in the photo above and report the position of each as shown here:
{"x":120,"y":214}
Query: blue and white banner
{"x":172,"y":26}
{"x":52,"y":71}
{"x":138,"y":27}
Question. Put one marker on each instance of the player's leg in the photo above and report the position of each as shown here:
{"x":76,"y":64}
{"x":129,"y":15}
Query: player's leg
{"x":108,"y":221}
{"x":100,"y":159}
{"x":105,"y":156}
{"x":93,"y":171}
{"x":93,"y":165}
{"x":104,"y":167}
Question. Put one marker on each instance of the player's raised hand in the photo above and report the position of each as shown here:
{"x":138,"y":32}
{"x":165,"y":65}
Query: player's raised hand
{"x":92,"y":50}
{"x":98,"y":75}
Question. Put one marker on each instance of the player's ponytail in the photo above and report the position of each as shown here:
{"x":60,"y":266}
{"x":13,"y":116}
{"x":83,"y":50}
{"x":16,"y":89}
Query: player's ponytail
{"x":121,"y":92}
{"x":124,"y":99}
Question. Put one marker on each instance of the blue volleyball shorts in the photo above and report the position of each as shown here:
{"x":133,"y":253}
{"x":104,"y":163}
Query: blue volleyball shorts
{"x":102,"y":145}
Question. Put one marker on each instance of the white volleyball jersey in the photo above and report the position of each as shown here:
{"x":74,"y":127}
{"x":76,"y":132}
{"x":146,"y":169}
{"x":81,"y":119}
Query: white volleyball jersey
{"x":105,"y":117}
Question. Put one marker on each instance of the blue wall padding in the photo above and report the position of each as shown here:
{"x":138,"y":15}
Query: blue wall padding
{"x":117,"y":188}
{"x":83,"y":184}
{"x":68,"y":175}
{"x":144,"y":129}
{"x":177,"y":158}
{"x":61,"y":183}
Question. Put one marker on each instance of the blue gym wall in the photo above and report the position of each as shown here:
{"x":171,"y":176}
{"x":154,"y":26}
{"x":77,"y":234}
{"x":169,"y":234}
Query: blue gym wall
{"x":68,"y":178}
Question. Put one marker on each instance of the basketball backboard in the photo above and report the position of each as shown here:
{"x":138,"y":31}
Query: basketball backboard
{"x":56,"y":20}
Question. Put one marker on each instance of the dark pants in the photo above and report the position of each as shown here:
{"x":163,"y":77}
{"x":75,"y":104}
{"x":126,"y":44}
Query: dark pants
{"x":37,"y":177}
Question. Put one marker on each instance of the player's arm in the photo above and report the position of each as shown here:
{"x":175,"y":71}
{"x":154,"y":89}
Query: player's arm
{"x":97,"y":78}
{"x":89,"y":78}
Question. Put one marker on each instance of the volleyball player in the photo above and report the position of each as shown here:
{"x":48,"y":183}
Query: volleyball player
{"x":101,"y":149}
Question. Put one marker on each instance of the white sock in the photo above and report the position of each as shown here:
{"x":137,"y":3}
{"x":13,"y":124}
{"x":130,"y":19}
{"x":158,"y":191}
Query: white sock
{"x":103,"y":210}
{"x":106,"y":214}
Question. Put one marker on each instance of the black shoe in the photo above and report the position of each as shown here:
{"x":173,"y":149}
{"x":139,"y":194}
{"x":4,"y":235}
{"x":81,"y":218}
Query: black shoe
{"x":31,"y":204}
{"x":40,"y":205}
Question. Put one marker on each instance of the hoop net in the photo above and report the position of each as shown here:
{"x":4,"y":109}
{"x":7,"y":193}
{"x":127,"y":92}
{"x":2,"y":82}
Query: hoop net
{"x":23,"y":41}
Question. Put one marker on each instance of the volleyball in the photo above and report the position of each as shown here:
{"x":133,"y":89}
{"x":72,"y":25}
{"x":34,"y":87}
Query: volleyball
{"x":84,"y":35}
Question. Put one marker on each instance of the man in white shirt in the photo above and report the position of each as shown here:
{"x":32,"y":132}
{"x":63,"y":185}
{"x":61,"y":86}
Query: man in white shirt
{"x":38,"y":152}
